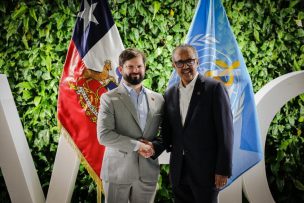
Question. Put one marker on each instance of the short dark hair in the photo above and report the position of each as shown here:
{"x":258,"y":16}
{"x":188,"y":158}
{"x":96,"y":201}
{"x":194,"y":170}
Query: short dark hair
{"x":185,"y":46}
{"x":130,"y":53}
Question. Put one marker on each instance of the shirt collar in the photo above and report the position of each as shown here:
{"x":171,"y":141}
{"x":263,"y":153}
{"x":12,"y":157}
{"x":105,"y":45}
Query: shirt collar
{"x":191,"y":84}
{"x":130,"y":89}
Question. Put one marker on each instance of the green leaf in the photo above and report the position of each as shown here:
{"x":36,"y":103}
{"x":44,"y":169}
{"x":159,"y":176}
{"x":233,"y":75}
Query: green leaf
{"x":147,"y":83}
{"x":291,"y":120}
{"x":25,"y":24}
{"x":26,"y":95}
{"x":293,"y":3}
{"x":24,"y":40}
{"x":20,"y":12}
{"x":161,"y":83}
{"x":256,"y":35}
{"x":156,"y":7}
{"x":60,"y":20}
{"x":301,"y":15}
{"x":25,"y":85}
{"x":46,"y":76}
{"x":37,"y":100}
{"x":11,"y":30}
{"x":33,"y":14}
{"x":299,"y":185}
{"x":300,"y":32}
{"x":158,"y":51}
{"x":253,"y":48}
{"x":42,"y":140}
{"x":299,"y":23}
{"x":2,"y":7}
{"x":169,"y":37}
{"x":177,"y":28}
{"x":280,"y":183}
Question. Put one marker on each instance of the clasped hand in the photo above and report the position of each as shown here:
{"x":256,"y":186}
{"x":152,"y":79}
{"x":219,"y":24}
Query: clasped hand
{"x":146,"y":149}
{"x":220,"y":181}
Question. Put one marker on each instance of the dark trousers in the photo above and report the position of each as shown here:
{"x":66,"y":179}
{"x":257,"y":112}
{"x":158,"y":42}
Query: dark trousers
{"x":189,"y":192}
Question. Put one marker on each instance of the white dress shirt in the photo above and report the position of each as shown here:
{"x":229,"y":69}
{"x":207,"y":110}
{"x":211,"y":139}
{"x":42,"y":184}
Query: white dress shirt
{"x":185,"y":94}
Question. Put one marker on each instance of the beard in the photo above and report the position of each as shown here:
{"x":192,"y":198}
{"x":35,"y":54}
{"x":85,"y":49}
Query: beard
{"x":133,"y":80}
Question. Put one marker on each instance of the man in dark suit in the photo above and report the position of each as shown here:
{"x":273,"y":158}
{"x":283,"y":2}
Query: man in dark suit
{"x":198,"y":131}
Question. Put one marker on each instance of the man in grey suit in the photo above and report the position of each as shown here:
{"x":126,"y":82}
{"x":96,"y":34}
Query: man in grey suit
{"x":128,"y":119}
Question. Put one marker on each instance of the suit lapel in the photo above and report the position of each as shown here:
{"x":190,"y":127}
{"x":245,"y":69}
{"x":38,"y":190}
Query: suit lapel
{"x":151,"y":109}
{"x":126,"y":100}
{"x":195,"y":98}
{"x":175,"y":103}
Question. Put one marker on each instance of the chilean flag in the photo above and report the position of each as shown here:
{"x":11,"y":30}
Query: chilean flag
{"x":89,"y":71}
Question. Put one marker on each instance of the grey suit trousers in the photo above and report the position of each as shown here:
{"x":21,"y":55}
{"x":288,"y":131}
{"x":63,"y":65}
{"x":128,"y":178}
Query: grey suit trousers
{"x":136,"y":192}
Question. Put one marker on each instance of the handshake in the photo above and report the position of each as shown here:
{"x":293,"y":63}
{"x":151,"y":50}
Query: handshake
{"x":146,"y":149}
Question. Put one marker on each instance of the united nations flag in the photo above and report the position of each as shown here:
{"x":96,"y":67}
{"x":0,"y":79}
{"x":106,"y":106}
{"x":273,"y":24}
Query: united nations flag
{"x":220,"y":58}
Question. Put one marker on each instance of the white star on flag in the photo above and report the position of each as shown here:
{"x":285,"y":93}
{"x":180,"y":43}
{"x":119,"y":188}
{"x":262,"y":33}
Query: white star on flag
{"x":87,"y":14}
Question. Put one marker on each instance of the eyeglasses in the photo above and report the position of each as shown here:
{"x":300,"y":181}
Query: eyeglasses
{"x":181,"y":63}
{"x":133,"y":67}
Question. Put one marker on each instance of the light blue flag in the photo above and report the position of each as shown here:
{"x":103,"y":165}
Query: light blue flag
{"x":220,"y":58}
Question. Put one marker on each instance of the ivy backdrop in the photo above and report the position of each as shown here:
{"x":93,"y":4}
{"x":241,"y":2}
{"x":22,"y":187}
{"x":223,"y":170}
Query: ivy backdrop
{"x":33,"y":43}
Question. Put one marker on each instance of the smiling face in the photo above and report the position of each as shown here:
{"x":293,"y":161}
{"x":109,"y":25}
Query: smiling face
{"x":185,"y":63}
{"x":133,"y":70}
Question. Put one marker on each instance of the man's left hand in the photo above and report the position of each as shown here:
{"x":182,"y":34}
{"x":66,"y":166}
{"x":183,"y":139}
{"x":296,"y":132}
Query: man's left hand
{"x":220,"y":181}
{"x":146,"y":153}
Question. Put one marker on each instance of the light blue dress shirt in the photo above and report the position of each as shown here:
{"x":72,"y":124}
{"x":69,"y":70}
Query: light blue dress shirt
{"x":140,"y":104}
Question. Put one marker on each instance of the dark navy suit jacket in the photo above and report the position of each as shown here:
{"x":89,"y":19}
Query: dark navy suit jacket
{"x":206,"y":138}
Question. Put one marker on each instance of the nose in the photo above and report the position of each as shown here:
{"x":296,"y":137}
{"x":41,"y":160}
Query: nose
{"x":185,"y":66}
{"x":135,"y":69}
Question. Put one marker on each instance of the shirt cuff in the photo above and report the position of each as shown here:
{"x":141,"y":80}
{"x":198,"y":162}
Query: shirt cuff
{"x":137,"y":144}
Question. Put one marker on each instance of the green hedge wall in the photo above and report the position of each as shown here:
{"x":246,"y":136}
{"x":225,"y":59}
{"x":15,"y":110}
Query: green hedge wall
{"x":33,"y":44}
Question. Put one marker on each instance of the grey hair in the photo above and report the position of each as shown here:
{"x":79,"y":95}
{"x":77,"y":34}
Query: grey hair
{"x":185,"y":46}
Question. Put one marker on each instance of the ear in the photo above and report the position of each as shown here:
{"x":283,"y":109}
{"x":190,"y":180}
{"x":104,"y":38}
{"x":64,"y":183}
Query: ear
{"x":173,"y":65}
{"x":120,"y":69}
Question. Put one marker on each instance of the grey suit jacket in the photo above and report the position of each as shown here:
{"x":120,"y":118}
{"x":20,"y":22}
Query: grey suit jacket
{"x":118,"y":129}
